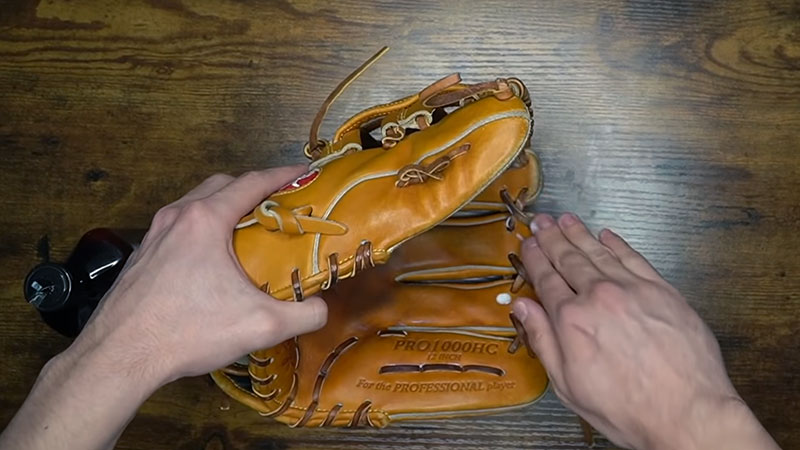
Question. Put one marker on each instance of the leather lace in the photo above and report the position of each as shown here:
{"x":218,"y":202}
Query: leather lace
{"x":515,"y":206}
{"x":420,"y":173}
{"x":363,"y":260}
{"x":315,"y":145}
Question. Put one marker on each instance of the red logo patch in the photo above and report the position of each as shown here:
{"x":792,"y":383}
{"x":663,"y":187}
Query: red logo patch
{"x":301,"y":181}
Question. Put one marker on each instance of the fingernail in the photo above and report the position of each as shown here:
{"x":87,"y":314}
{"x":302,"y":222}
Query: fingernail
{"x":567,"y":220}
{"x":520,"y":310}
{"x":530,"y":242}
{"x":543,"y":222}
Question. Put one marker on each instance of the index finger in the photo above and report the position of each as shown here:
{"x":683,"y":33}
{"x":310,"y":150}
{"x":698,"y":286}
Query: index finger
{"x":210,"y":185}
{"x":241,"y":195}
{"x":550,"y":286}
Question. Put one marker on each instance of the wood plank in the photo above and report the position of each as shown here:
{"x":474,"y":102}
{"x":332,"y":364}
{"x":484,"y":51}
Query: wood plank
{"x":675,"y":122}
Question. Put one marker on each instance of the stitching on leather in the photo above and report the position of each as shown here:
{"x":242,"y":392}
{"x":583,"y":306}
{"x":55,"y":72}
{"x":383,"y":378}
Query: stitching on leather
{"x":304,"y":409}
{"x":274,"y":376}
{"x":315,"y":247}
{"x":361,"y":122}
{"x":344,"y":261}
{"x":322,"y":374}
{"x":341,"y":411}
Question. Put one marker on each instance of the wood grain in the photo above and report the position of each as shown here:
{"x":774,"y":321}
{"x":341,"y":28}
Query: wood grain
{"x":676,"y":123}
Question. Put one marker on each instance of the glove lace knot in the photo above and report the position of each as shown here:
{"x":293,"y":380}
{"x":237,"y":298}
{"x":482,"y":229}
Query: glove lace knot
{"x":394,"y":132}
{"x":515,"y":208}
{"x":420,"y":173}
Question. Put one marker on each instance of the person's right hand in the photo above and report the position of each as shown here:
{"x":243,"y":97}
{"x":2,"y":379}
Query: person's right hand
{"x":623,"y":348}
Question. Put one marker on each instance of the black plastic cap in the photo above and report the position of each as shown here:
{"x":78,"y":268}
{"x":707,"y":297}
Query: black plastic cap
{"x":47,"y":287}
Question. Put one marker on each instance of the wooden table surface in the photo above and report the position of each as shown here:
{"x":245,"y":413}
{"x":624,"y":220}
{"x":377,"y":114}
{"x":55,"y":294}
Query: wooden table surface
{"x":676,"y":123}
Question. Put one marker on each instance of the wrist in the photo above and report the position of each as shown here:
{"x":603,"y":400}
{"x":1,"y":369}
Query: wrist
{"x":115,"y":343}
{"x":736,"y":428}
{"x":127,"y":365}
{"x":725,"y":422}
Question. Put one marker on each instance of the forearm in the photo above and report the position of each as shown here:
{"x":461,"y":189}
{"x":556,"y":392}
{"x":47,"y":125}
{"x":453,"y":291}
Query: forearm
{"x":727,"y":424}
{"x":168,"y":315}
{"x":81,"y":399}
{"x":736,"y":427}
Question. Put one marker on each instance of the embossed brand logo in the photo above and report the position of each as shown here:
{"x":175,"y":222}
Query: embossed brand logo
{"x":465,"y":346}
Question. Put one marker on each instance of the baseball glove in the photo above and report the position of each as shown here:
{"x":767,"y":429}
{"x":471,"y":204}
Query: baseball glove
{"x":437,"y":161}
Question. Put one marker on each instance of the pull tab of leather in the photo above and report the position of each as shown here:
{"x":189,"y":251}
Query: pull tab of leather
{"x":439,"y":86}
{"x":313,"y":137}
{"x":499,"y":88}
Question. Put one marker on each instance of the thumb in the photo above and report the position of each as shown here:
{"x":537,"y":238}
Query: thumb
{"x":541,"y":336}
{"x":296,"y":318}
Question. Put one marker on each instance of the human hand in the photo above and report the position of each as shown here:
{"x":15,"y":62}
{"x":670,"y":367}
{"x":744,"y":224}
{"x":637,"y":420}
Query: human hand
{"x":182,"y":305}
{"x":623,"y":348}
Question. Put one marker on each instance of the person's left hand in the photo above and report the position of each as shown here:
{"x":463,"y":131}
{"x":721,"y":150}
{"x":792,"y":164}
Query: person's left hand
{"x":182,"y":305}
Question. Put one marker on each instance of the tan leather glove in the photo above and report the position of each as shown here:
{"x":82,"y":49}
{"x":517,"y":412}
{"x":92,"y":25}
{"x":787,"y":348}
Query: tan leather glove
{"x":366,"y":194}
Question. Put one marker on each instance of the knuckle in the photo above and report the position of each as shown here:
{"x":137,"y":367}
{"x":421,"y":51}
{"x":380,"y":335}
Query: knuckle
{"x":549,"y":235}
{"x":250,"y":175}
{"x":576,"y":229}
{"x":218,"y":178}
{"x":651,"y":289}
{"x":272,"y":329}
{"x":628,"y":253}
{"x":606,"y":290}
{"x":615,"y":304}
{"x":550,"y":279}
{"x":320,"y":313}
{"x":164,"y":217}
{"x":599,"y":254}
{"x":197,"y":210}
{"x":610,"y":296}
{"x":569,"y":312}
{"x":195,"y":216}
{"x":569,"y":258}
